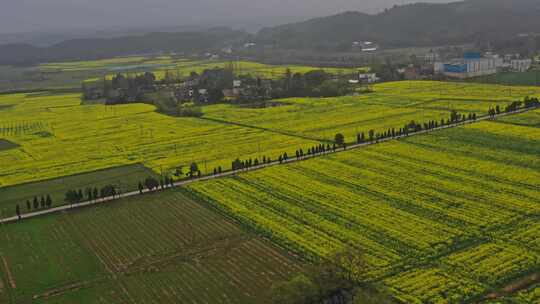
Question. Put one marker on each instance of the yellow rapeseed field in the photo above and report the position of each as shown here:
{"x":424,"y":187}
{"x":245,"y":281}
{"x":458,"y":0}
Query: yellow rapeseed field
{"x":442,"y":218}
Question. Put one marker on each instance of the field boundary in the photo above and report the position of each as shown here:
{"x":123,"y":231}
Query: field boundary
{"x":11,"y":280}
{"x":254,"y":168}
{"x":75,"y":175}
{"x":221,"y":121}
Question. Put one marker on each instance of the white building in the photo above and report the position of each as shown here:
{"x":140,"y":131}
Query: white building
{"x":365,"y":46}
{"x":368,"y":77}
{"x":481,"y":67}
{"x":438,"y":67}
{"x":431,"y":57}
{"x":520,"y":65}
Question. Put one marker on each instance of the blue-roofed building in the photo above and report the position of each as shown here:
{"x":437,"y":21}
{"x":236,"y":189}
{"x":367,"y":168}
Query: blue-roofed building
{"x":471,"y":65}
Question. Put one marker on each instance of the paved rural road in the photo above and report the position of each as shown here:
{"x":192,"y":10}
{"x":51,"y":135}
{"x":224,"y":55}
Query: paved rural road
{"x":230,"y":173}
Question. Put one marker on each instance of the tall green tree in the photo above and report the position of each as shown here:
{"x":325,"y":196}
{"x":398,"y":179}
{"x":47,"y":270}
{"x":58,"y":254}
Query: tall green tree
{"x":71,"y":197}
{"x":193,"y":170}
{"x":141,"y":188}
{"x":48,"y":201}
{"x":95,"y":193}
{"x":299,"y":290}
{"x":151,"y":183}
{"x":339,"y":139}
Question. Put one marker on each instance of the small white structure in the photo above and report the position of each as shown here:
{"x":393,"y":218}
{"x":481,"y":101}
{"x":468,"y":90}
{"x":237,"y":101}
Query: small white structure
{"x":227,"y":50}
{"x":365,"y":46}
{"x":250,"y":45}
{"x":431,"y":57}
{"x":438,"y":67}
{"x":520,"y":65}
{"x":368,"y":77}
{"x":237,"y":83}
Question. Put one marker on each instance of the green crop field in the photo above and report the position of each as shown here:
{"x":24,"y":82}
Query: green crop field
{"x":59,"y":137}
{"x":158,"y":248}
{"x":449,"y":216}
{"x":125,"y":178}
{"x":529,"y":78}
{"x":443,"y":218}
{"x":182,"y":67}
{"x":70,"y":75}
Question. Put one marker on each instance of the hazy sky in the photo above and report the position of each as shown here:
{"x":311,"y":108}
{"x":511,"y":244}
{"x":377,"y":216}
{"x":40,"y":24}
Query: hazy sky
{"x":47,"y":15}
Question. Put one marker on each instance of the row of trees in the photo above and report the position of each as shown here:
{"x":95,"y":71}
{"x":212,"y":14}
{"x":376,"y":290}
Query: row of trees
{"x":413,"y":126}
{"x":44,"y":202}
{"x":321,"y":148}
{"x":528,"y":102}
{"x":152,"y":184}
{"x":372,"y":136}
{"x":238,"y":164}
{"x":316,"y":83}
{"x":90,"y":193}
{"x":36,"y":204}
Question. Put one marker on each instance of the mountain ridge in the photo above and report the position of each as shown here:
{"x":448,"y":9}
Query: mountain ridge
{"x":418,"y":24}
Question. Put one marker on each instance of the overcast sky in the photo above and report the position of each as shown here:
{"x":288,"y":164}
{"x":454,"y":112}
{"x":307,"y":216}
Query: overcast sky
{"x":68,"y":15}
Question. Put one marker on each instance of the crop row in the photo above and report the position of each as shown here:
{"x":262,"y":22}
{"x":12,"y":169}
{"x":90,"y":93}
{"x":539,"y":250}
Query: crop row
{"x":405,"y":202}
{"x":157,"y":248}
{"x":432,"y":285}
{"x":493,"y":263}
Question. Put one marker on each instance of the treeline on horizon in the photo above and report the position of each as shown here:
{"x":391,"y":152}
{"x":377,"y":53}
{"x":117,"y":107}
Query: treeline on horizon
{"x":95,"y":48}
{"x":497,"y":23}
{"x":502,"y":24}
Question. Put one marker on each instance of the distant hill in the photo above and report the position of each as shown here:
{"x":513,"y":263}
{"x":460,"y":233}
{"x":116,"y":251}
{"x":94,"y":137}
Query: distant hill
{"x":85,"y":49}
{"x":419,"y":24}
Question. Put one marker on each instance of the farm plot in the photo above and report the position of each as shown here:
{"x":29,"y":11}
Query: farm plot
{"x":531,"y":119}
{"x":7,"y":145}
{"x":492,"y":263}
{"x":59,"y":137}
{"x":434,"y":200}
{"x":157,"y":248}
{"x":391,"y":105}
{"x":180,"y":67}
{"x":432,"y":285}
{"x":323,"y":118}
{"x":437,"y":89}
{"x":76,"y":138}
{"x":530,"y":78}
{"x":42,"y":255}
{"x":125,"y":179}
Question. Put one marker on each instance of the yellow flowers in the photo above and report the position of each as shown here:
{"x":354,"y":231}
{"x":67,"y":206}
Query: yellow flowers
{"x":420,"y":208}
{"x":74,"y":138}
